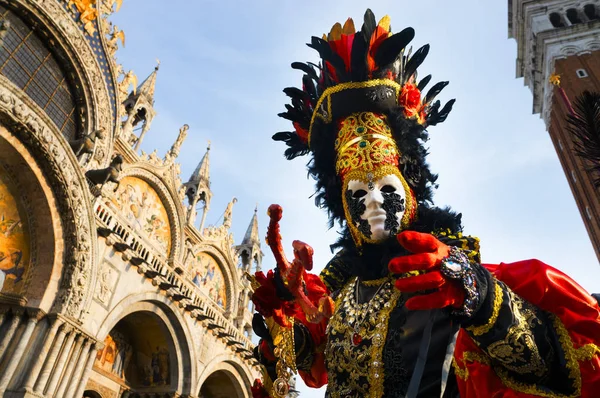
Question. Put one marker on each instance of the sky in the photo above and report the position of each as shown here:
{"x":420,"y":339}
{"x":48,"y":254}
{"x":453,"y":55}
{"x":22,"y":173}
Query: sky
{"x":224,"y":65}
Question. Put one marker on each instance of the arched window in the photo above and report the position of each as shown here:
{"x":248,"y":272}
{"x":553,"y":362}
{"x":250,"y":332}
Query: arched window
{"x":573,"y":16}
{"x":27,"y":62}
{"x":556,"y":20}
{"x":590,"y":12}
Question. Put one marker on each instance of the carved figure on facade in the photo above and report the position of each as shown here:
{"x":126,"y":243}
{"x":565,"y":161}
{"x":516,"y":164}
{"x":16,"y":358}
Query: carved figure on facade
{"x":106,"y":284}
{"x":108,"y":174}
{"x":88,"y":13}
{"x":4,"y":27}
{"x":108,"y":6}
{"x":129,"y":79}
{"x":87,"y":143}
{"x":113,"y":42}
{"x":176,"y":147}
{"x":228,"y":213}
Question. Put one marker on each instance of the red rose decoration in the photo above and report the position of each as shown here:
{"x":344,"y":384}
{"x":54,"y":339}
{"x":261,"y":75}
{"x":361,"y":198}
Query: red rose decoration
{"x":258,"y":390}
{"x":410,"y":99}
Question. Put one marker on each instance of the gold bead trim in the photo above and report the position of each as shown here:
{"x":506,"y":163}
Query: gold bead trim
{"x":364,"y":141}
{"x":479,"y":330}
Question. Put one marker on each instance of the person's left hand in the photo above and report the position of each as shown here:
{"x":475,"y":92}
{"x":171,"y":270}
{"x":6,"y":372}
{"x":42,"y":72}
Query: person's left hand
{"x":428,"y":253}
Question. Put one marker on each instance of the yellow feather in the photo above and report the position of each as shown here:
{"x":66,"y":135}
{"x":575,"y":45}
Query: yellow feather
{"x":349,"y":27}
{"x":385,"y":23}
{"x":336,"y":32}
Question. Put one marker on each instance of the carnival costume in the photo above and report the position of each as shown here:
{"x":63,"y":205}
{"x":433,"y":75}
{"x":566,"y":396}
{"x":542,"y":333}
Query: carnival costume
{"x":405,"y":308}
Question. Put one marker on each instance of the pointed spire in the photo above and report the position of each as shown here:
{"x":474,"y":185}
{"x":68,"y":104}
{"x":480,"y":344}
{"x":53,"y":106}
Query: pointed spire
{"x":251,"y":237}
{"x":202,"y":172}
{"x":198,"y":189}
{"x":146,"y":88}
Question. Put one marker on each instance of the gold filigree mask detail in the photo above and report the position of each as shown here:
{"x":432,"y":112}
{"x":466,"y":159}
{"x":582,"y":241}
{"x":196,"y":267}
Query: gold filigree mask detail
{"x":364,"y":142}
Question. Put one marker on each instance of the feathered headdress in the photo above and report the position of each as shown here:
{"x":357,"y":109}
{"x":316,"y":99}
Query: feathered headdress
{"x":370,"y":70}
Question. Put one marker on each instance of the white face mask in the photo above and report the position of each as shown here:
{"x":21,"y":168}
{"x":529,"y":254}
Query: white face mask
{"x":377,"y":208}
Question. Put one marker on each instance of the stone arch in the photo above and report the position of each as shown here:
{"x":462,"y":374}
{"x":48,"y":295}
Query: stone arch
{"x":32,"y":127}
{"x":39,"y":223}
{"x":162,"y":307}
{"x":92,"y":394}
{"x":238,"y":374}
{"x":171,"y":205}
{"x":80,"y":60}
{"x":228,"y":273}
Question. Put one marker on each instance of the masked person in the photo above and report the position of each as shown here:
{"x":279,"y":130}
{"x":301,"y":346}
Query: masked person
{"x":416,"y":313}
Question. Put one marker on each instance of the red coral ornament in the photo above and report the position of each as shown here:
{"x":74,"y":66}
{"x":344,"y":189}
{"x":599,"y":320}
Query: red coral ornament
{"x":410,"y":100}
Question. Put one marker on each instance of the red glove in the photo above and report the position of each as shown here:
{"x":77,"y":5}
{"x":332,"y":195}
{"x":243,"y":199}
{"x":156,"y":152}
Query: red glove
{"x":428,"y":255}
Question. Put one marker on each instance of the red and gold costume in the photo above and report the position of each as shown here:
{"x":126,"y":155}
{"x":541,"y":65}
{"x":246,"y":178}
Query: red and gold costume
{"x":405,"y":308}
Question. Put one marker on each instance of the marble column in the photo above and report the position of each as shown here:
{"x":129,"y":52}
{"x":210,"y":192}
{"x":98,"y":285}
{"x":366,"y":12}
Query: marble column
{"x":19,"y":350}
{"x":61,"y":362}
{"x":14,"y":323}
{"x":86,"y":371}
{"x":3,"y":312}
{"x":47,"y":369}
{"x":71,"y":360}
{"x":39,"y":361}
{"x":78,"y":369}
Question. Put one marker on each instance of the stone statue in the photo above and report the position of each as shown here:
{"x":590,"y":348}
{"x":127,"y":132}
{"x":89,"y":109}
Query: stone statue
{"x":115,"y":36}
{"x":4,"y":27}
{"x":86,"y":143}
{"x":109,"y":174}
{"x":129,"y":79}
{"x":228,"y":213}
{"x":174,"y":151}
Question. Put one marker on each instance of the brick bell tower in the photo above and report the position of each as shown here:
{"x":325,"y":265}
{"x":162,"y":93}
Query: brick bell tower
{"x":561,"y":38}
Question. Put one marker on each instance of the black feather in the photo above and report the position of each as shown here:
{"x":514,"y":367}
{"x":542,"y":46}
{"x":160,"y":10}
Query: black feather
{"x":296,"y":146}
{"x":424,"y":82}
{"x":415,"y":61}
{"x":584,"y":125}
{"x":327,"y":54}
{"x":358,"y":63}
{"x":391,"y":47}
{"x":306,"y":68}
{"x":434,"y":91}
{"x":369,"y":25}
{"x":309,"y":88}
{"x":440,"y":116}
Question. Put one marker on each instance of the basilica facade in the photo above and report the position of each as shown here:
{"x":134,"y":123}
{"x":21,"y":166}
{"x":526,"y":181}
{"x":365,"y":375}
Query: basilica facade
{"x":111,"y":284}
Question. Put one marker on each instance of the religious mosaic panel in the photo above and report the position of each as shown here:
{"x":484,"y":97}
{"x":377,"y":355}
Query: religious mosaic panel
{"x":14,"y":239}
{"x":207,"y":275}
{"x":135,"y":351}
{"x":144,"y":211}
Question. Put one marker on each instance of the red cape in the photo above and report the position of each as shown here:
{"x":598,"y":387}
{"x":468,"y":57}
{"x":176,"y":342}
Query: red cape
{"x":576,"y":321}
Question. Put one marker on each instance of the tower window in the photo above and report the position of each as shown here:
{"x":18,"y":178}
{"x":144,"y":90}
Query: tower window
{"x":581,"y":73}
{"x":560,"y":145}
{"x":588,"y":212}
{"x":573,"y":176}
{"x":556,"y":20}
{"x":573,"y":16}
{"x":590,"y":12}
